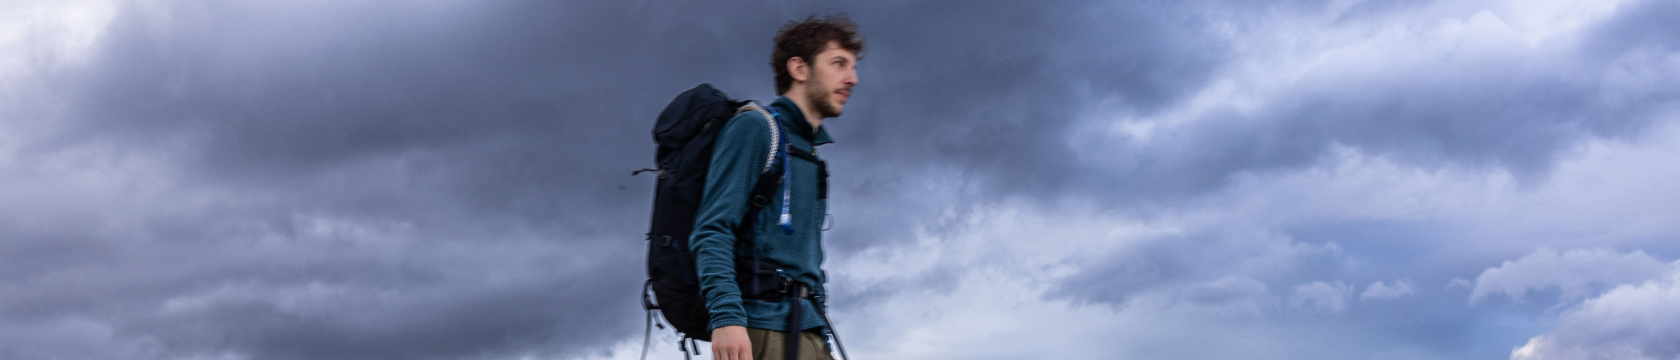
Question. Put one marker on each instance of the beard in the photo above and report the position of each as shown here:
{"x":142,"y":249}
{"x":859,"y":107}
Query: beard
{"x":816,"y":93}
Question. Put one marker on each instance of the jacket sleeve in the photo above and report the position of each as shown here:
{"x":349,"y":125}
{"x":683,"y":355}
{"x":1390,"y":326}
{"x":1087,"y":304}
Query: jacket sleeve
{"x":737,"y":160}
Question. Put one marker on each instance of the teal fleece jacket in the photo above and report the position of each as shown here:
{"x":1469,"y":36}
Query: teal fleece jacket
{"x":737,"y":160}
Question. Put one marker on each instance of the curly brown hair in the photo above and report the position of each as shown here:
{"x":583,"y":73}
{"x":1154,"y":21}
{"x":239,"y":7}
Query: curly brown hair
{"x":804,"y":39}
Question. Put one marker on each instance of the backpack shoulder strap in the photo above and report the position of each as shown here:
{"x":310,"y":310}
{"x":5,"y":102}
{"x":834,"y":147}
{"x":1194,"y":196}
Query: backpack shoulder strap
{"x":762,"y":192}
{"x":775,"y":133}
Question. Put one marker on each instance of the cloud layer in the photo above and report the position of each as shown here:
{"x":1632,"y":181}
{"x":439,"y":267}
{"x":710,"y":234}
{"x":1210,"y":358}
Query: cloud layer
{"x":1634,"y":320}
{"x":1075,"y":179}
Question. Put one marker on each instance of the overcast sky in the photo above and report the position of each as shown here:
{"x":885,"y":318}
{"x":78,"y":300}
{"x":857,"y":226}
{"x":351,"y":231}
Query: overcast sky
{"x":371,"y":179}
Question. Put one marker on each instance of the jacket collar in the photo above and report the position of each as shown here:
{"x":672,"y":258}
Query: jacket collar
{"x":794,"y":119}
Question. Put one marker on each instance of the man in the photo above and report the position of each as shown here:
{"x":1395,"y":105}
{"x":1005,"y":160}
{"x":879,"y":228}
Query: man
{"x":815,"y":62}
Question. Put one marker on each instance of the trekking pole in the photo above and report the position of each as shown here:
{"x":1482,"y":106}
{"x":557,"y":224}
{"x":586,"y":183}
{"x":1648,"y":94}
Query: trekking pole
{"x":647,"y":333}
{"x":823,"y":312}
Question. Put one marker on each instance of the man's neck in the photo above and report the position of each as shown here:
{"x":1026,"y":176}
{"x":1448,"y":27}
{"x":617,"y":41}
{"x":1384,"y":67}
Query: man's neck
{"x":799,"y":99}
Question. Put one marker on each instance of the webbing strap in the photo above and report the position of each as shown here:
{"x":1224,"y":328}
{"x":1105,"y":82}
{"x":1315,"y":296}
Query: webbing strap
{"x":822,"y":169}
{"x":794,"y":291}
{"x":796,"y":152}
{"x":793,"y":326}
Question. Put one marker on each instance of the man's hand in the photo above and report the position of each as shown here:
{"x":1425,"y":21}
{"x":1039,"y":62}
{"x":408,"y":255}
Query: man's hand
{"x":731,"y":343}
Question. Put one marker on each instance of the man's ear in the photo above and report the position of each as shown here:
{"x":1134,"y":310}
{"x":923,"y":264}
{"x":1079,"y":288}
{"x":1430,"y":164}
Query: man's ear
{"x":799,"y":69}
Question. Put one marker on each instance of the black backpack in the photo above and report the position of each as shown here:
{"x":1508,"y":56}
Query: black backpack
{"x":685,"y":133}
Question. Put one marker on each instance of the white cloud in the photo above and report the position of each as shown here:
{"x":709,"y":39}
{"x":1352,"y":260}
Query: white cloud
{"x":1630,"y":322}
{"x":1575,"y":272}
{"x":1541,"y":20}
{"x":996,"y":302}
{"x":1380,"y":291}
{"x":46,"y":35}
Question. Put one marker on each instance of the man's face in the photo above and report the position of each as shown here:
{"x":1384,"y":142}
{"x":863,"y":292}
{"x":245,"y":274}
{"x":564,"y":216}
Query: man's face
{"x":833,"y":73}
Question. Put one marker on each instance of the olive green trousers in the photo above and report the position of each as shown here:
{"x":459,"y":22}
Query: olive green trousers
{"x":772,"y":345}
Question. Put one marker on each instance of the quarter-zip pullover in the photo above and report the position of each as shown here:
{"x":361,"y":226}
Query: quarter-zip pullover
{"x":738,"y":159}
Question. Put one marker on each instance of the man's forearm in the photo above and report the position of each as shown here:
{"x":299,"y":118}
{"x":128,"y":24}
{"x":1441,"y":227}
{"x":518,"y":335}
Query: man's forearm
{"x":716,"y":268}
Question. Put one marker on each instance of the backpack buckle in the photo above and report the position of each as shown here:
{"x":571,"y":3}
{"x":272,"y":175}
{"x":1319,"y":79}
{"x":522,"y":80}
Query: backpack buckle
{"x":783,"y":283}
{"x":789,"y":288}
{"x":800,"y":291}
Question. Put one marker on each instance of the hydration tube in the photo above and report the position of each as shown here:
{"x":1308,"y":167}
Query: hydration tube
{"x":786,"y":220}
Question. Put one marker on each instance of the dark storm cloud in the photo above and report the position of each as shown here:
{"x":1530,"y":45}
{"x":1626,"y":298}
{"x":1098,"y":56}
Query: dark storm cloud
{"x":981,"y":96}
{"x":993,"y":88}
{"x":361,"y":180}
{"x":352,"y":172}
{"x":278,"y":96}
{"x":397,"y":180}
{"x":1515,"y":109}
{"x":1002,"y":106}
